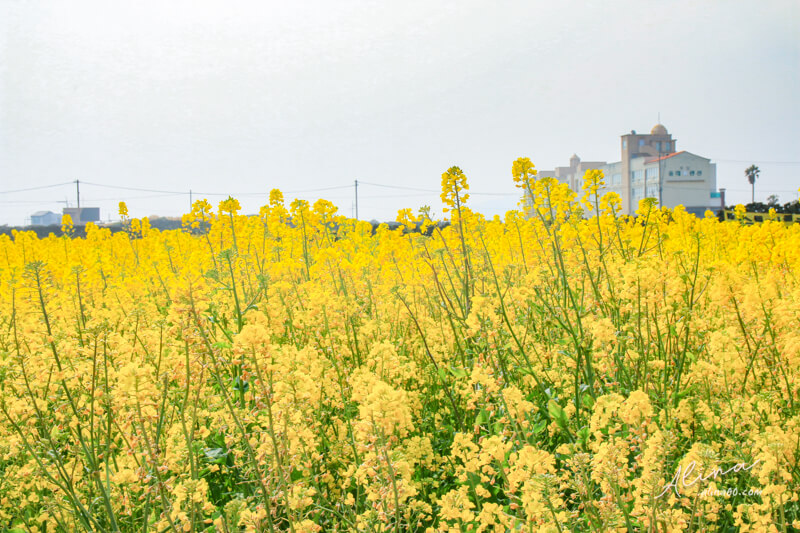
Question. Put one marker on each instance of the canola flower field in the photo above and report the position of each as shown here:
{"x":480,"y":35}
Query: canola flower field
{"x":298,"y":371}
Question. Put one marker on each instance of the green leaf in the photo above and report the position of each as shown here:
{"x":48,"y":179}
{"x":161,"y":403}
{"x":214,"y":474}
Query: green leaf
{"x":216,"y":455}
{"x":587,"y":401}
{"x":458,"y":372}
{"x":239,"y":384}
{"x":583,"y":436}
{"x":557,"y":413}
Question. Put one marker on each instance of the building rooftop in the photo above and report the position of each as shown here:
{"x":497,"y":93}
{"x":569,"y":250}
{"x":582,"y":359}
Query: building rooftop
{"x":665,"y":156}
{"x":658,"y":129}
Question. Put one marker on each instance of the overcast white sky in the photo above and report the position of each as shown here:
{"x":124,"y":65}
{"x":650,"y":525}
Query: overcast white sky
{"x":243,"y":96}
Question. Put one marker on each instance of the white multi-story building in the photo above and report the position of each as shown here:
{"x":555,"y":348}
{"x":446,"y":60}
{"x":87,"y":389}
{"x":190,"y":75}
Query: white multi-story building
{"x":651,"y":168}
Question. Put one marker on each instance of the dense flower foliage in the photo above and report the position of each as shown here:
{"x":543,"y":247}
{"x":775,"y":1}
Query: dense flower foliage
{"x":559,"y":369}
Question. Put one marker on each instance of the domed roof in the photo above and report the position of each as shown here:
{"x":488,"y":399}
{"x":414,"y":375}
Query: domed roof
{"x":658,"y":129}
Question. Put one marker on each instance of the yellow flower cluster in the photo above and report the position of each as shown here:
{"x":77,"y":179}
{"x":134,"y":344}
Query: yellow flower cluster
{"x":67,"y":226}
{"x":454,"y":183}
{"x":524,"y":173}
{"x":302,"y":371}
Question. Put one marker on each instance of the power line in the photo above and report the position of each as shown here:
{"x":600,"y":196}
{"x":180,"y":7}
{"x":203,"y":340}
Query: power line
{"x":251,"y":193}
{"x":673,"y":188}
{"x":266,"y":192}
{"x":175,"y":193}
{"x":39,"y":187}
{"x":113,"y":199}
{"x":158,"y":193}
{"x":140,"y":189}
{"x":406,"y":195}
{"x":471,"y":193}
{"x":415,"y":192}
{"x":34,"y":202}
{"x":317,"y":190}
{"x":399,"y":187}
{"x":752,"y":161}
{"x":762,"y":190}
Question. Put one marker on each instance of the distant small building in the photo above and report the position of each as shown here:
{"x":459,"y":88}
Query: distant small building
{"x":650,"y":167}
{"x":573,"y":174}
{"x":81,"y":215}
{"x":45,"y":218}
{"x":687,"y":179}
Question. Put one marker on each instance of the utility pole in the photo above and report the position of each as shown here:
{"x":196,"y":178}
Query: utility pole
{"x":660,"y":179}
{"x":356,"y":199}
{"x":660,"y":182}
{"x":78,"y":187}
{"x":190,"y":200}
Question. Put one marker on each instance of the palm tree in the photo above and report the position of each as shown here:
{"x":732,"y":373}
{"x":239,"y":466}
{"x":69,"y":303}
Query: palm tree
{"x":752,"y":173}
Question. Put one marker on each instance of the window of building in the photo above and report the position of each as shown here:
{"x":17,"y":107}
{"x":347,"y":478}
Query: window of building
{"x":651,"y":173}
{"x":641,"y":143}
{"x":616,"y":179}
{"x":624,"y":143}
{"x":671,"y":173}
{"x":699,"y":172}
{"x":691,"y":172}
{"x":652,"y":191}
